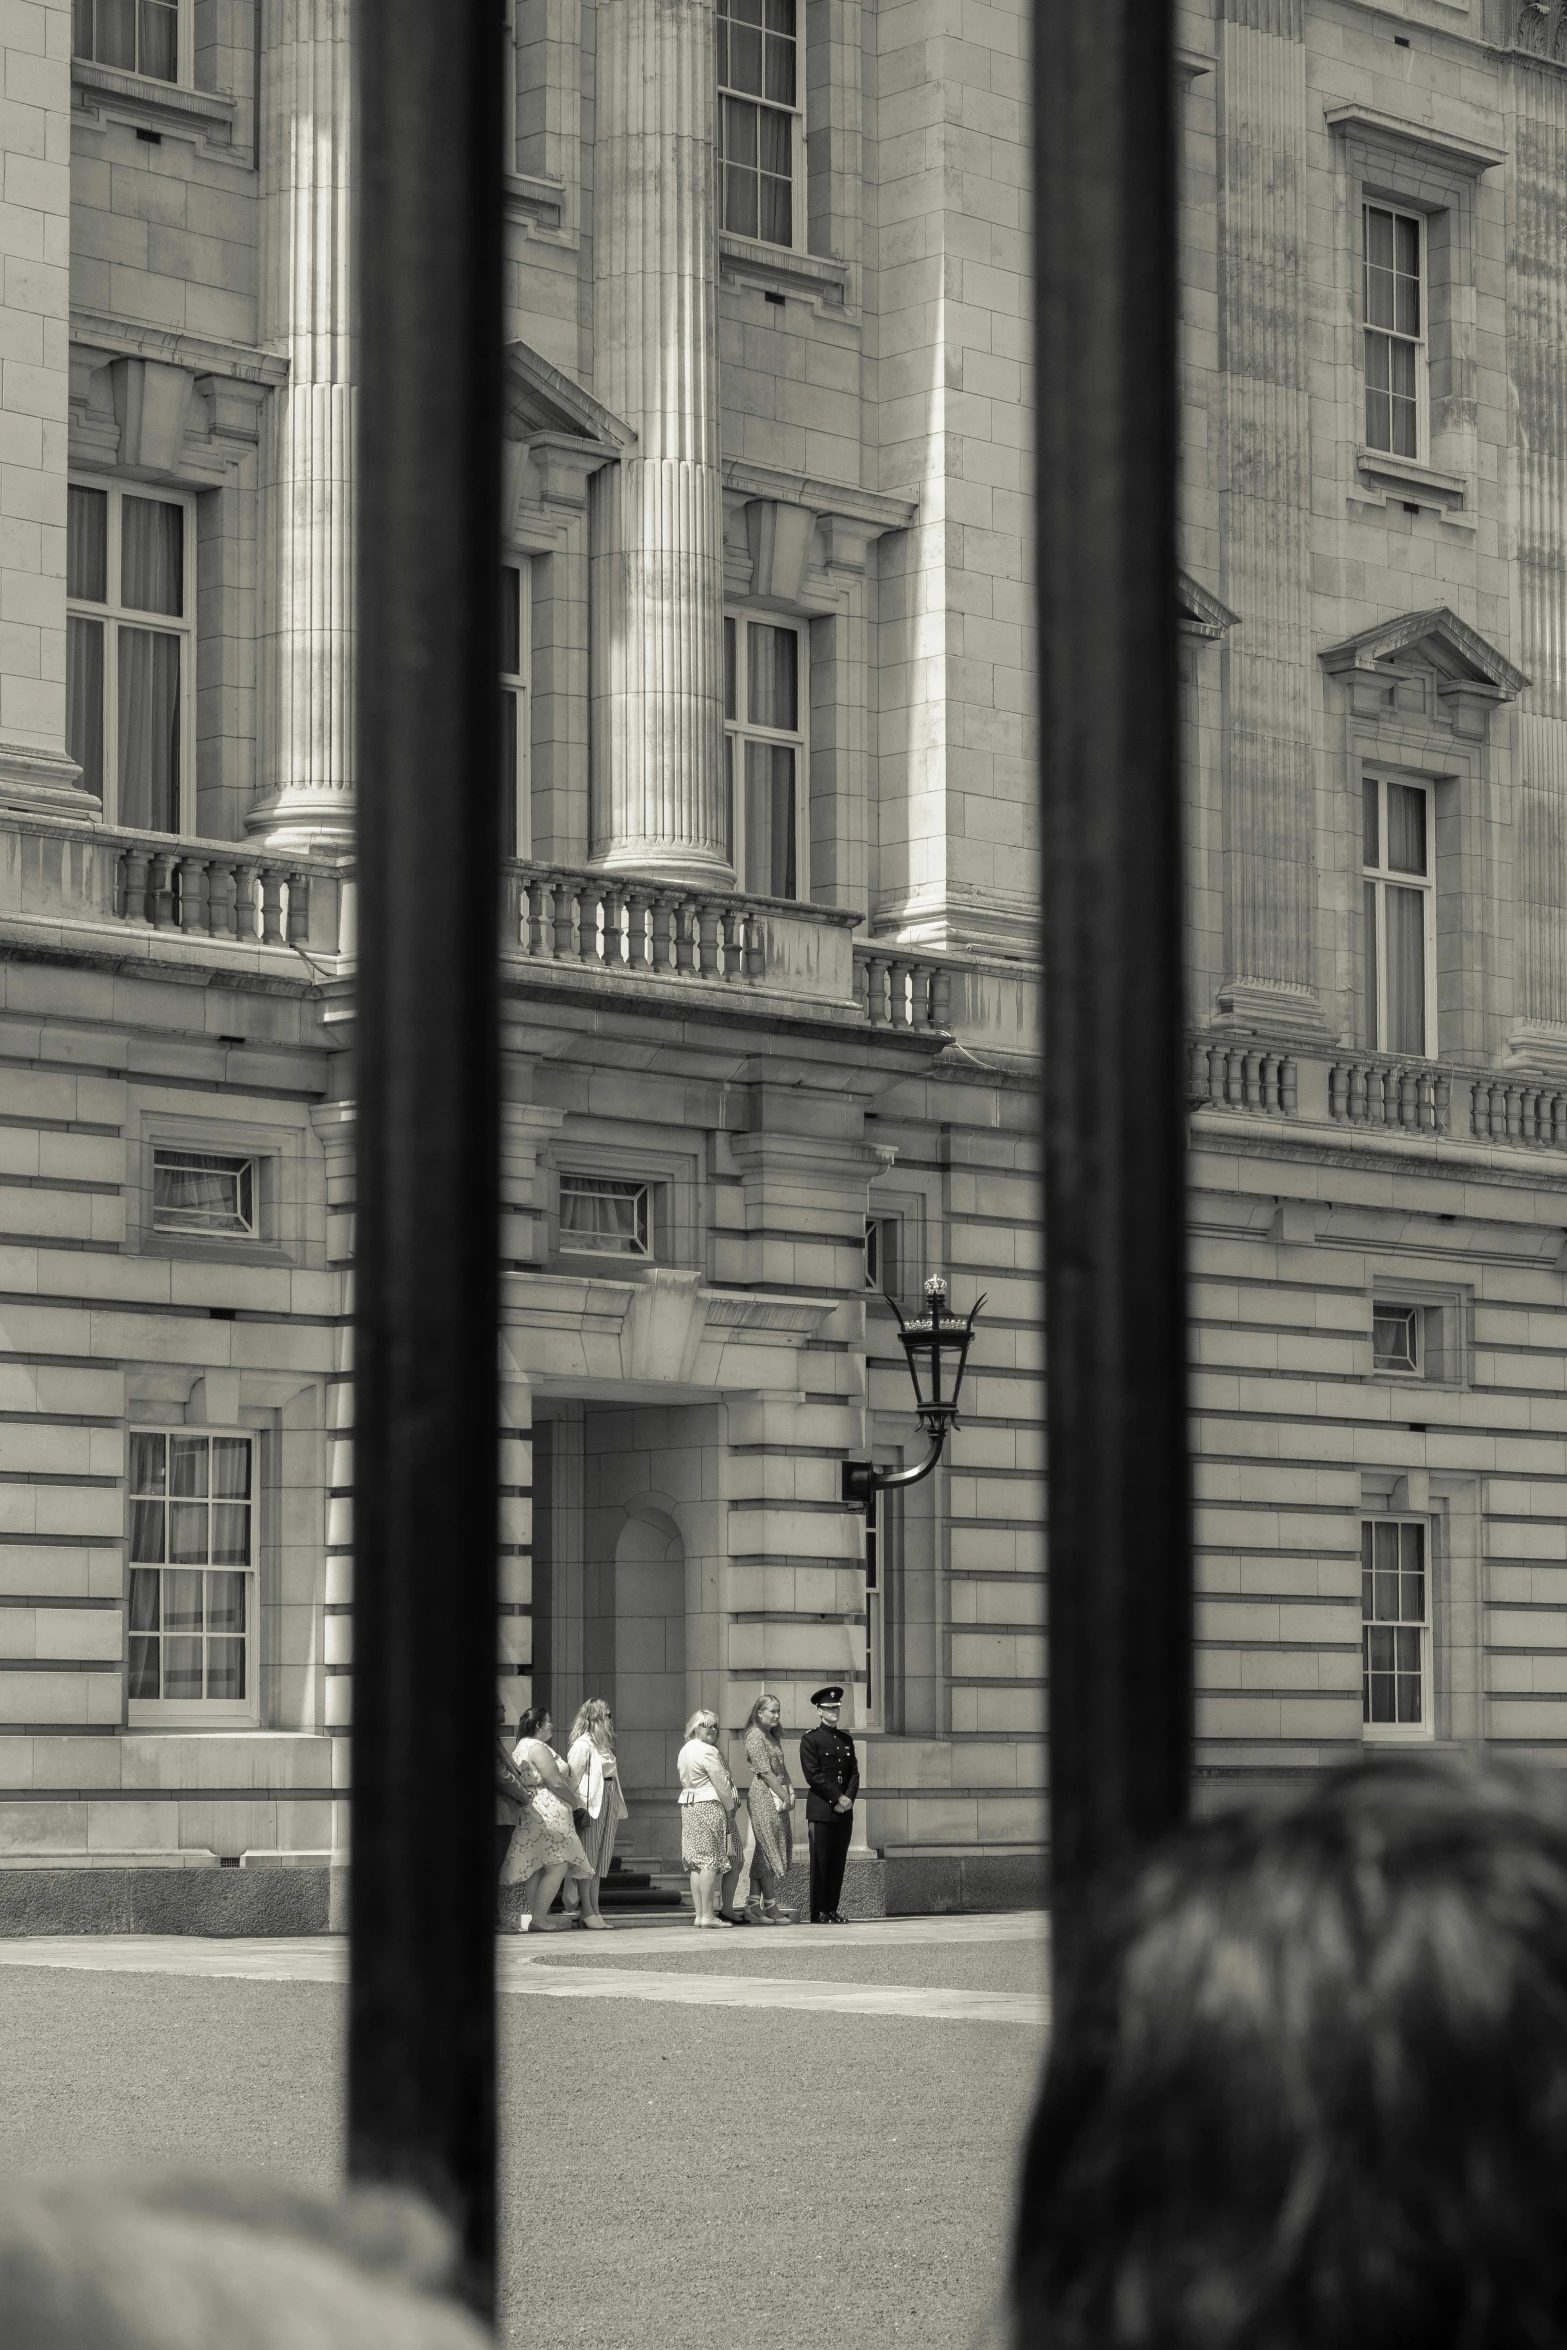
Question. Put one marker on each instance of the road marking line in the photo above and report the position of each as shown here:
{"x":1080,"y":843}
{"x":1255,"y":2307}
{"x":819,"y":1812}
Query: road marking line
{"x":1027,"y":2008}
{"x":521,"y":1970}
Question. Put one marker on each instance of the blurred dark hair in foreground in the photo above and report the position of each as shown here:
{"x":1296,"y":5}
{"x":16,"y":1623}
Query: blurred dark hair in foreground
{"x":1308,"y":2087}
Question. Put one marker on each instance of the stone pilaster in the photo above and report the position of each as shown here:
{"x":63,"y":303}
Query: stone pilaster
{"x":1537,"y":372}
{"x":659,"y":801}
{"x":1270,"y":809}
{"x":307,"y":475}
{"x":35,"y":323}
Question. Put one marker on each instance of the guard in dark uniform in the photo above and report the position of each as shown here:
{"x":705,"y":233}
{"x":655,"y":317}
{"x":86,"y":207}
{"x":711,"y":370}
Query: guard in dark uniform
{"x":832,"y":1780}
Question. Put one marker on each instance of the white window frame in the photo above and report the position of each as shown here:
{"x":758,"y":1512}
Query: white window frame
{"x":1386,"y":1307}
{"x":166,"y":1220}
{"x":1378,"y":879}
{"x":116,"y":615}
{"x":207,"y":1713}
{"x":518,"y":685}
{"x":573,"y":1245}
{"x":738,"y":731}
{"x":184,"y":50}
{"x":880,"y":1518}
{"x":877,"y":1230}
{"x":1421,"y":342}
{"x":1419,"y":1733}
{"x":798,"y":194}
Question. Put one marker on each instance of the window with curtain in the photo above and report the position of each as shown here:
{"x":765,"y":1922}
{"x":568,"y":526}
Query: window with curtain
{"x":602,"y":1217}
{"x":192,"y":1606}
{"x":1394,"y":329}
{"x":1395,"y":1629}
{"x":196,"y":1191}
{"x":765,"y":699}
{"x":761,"y":120}
{"x":1400,"y":916}
{"x":128,"y":650}
{"x":139,"y":36}
{"x":515,"y":665}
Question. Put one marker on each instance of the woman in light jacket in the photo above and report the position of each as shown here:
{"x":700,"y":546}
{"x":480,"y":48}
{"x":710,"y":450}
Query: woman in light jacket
{"x":590,"y":1761}
{"x":711,"y":1844}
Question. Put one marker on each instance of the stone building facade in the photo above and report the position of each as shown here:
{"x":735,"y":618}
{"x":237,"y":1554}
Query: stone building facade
{"x":768,"y":958}
{"x":1374,"y":263}
{"x":770,"y":983}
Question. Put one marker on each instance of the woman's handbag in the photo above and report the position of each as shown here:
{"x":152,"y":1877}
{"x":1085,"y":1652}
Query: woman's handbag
{"x":580,"y":1819}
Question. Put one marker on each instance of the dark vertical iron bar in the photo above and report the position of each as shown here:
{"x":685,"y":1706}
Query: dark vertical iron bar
{"x":421,"y":2056}
{"x":1120,"y":1564}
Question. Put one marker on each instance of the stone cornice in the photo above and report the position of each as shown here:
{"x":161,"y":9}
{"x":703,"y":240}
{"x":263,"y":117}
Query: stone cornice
{"x":1199,"y":611}
{"x":1460,"y":150}
{"x":873,"y":510}
{"x":201,"y":354}
{"x":542,"y":398}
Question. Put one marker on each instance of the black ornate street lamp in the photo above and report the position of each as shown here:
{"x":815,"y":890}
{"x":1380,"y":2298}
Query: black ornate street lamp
{"x":937,"y":1345}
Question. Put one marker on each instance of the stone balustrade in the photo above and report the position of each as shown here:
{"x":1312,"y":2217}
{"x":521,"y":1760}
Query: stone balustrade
{"x":1242,"y":1077}
{"x":216,"y":892}
{"x":645,"y":927}
{"x":1378,"y":1093}
{"x":620,"y":922}
{"x":61,"y":880}
{"x":902,"y":991}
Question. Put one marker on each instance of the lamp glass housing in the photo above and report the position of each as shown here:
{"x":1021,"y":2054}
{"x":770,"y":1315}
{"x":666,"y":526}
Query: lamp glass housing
{"x":937,"y":1344}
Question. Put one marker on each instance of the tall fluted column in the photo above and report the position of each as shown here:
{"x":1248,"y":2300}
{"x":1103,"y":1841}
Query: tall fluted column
{"x":307,"y":476}
{"x":657,"y":517}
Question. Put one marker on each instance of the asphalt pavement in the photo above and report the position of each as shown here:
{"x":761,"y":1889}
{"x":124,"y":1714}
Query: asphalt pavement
{"x":795,"y":2137}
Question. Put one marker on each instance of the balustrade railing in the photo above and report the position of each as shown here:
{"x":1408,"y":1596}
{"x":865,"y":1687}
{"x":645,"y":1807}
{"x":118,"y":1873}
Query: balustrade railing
{"x":640,"y":926}
{"x":1243,"y":1077}
{"x":212,"y":891}
{"x":902,"y":991}
{"x":621,"y":923}
{"x":1519,"y":1110}
{"x":1379,"y":1092}
{"x":1371,"y":1090}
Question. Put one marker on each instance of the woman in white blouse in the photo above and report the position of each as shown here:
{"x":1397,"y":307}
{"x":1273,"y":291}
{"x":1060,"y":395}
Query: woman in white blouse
{"x":591,"y":1761}
{"x":711,"y":1843}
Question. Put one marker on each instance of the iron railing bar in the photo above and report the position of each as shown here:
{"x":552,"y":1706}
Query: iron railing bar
{"x":1119,"y":1558}
{"x":421,"y":2053}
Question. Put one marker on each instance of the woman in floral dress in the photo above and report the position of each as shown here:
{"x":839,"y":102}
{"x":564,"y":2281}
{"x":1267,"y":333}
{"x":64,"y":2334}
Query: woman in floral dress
{"x":771,"y":1801}
{"x":545,"y":1848}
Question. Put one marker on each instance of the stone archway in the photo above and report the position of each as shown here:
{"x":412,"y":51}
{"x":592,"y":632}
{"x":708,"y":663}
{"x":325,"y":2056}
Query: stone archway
{"x":649,"y":1617}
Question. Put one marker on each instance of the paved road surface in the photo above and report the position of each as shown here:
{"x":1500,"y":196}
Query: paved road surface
{"x":712,"y":2142}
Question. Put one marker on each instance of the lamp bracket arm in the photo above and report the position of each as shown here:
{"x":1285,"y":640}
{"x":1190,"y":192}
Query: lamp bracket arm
{"x":862,"y":1478}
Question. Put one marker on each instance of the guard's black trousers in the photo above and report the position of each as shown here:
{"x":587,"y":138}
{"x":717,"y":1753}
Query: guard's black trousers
{"x":829,"y":1852}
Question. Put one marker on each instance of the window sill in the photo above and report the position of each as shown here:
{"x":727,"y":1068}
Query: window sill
{"x":136,"y":97}
{"x":746,"y":260}
{"x":1396,"y":1734}
{"x":1417,"y":485}
{"x":166,"y":1713}
{"x":534,"y":202}
{"x":208,"y":1248}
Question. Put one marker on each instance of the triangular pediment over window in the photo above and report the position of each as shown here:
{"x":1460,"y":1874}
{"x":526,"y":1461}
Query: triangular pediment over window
{"x":1431,"y":660}
{"x":1439,"y":638}
{"x":541,"y":398}
{"x":1198,"y":610}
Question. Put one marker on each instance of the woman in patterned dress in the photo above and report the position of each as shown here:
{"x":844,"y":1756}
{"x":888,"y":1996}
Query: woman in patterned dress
{"x":771,"y":1802}
{"x":709,"y":1840}
{"x":545,"y":1849}
{"x":590,"y":1761}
